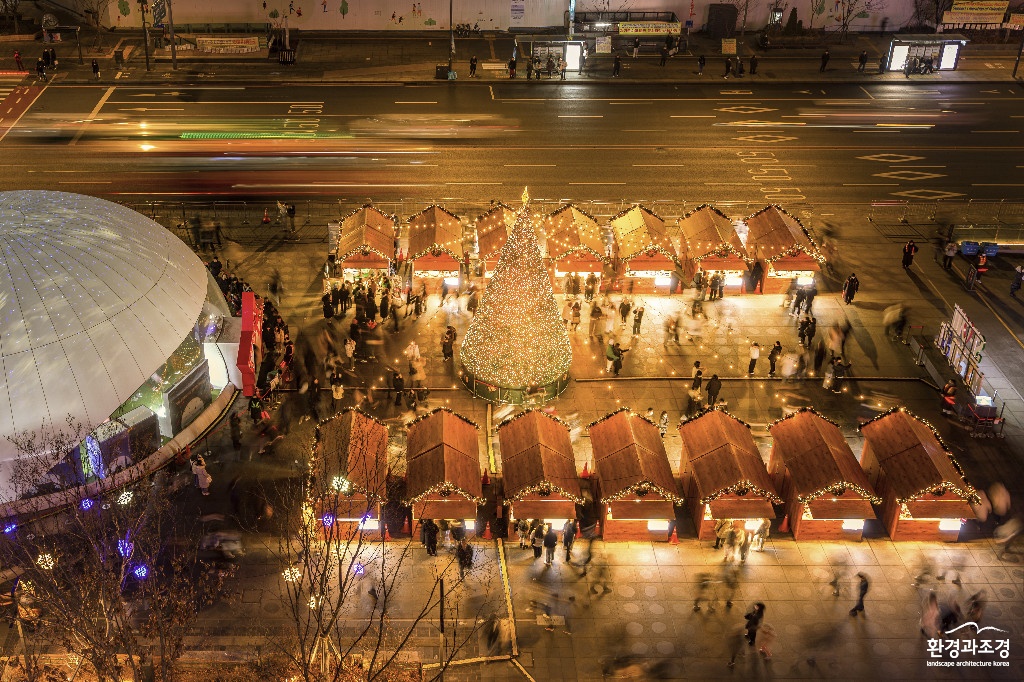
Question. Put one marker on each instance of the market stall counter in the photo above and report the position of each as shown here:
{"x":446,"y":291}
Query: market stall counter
{"x":539,"y":468}
{"x":711,"y":245}
{"x":724,"y":477}
{"x":781,"y":244}
{"x":924,"y":494}
{"x":635,"y":483}
{"x":443,"y":468}
{"x":644,"y":247}
{"x":826,"y":492}
{"x":576,"y":248}
{"x":349,"y":471}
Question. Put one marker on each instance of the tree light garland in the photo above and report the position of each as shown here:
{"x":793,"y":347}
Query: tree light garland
{"x":741,"y":488}
{"x":517,"y":339}
{"x":445,"y":489}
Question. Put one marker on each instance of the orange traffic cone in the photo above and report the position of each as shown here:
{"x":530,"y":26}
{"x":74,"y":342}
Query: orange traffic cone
{"x":487,"y":531}
{"x":597,"y":529}
{"x":405,"y":527}
{"x":266,"y":216}
{"x":586,"y":470}
{"x":674,"y":540}
{"x":387,"y":533}
{"x":784,"y":526}
{"x":485,"y":479}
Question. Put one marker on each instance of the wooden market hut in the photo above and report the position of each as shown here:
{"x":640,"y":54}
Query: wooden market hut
{"x":443,"y":467}
{"x":492,"y":230}
{"x":781,"y":243}
{"x":435,"y":244}
{"x":575,"y":244}
{"x":711,"y":244}
{"x":538,"y":467}
{"x":634,"y":478}
{"x":350,"y":470}
{"x":644,"y":247}
{"x":724,"y":476}
{"x":924,"y":494}
{"x":366,"y":243}
{"x":826,"y":494}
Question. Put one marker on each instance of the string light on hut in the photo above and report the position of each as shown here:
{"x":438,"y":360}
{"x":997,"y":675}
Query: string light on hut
{"x":775,"y":253}
{"x":969,"y":494}
{"x":741,"y":489}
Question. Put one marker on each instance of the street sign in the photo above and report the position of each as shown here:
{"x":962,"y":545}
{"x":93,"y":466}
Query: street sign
{"x":728,"y":46}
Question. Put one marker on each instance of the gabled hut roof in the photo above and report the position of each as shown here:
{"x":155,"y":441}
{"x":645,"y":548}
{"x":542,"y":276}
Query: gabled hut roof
{"x":435,"y":230}
{"x":492,"y":229}
{"x":352,"y":446}
{"x":367,"y":229}
{"x":573,"y":230}
{"x":724,"y":457}
{"x":707,"y":231}
{"x":638,"y":230}
{"x":773,"y":233}
{"x":818,"y":457}
{"x":443,"y":456}
{"x":537,"y":456}
{"x":629,"y":456}
{"x":913,"y":457}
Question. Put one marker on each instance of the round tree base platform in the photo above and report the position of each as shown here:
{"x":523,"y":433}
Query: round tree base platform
{"x":534,"y":395}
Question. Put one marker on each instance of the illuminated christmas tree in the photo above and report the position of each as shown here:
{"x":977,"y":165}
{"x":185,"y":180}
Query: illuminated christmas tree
{"x":517,"y":339}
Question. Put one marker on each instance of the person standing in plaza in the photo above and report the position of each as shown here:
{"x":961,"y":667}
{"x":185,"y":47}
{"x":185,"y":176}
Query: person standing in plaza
{"x":21,"y":66}
{"x":472,"y":66}
{"x":550,"y":543}
{"x":430,"y":532}
{"x":948,"y":254}
{"x":825,"y":56}
{"x":908,"y":254}
{"x":625,"y":305}
{"x":714,"y":387}
{"x":754,"y":618}
{"x":202,"y":476}
{"x":616,"y":70}
{"x":862,"y":589}
{"x":722,"y":527}
{"x":537,"y":540}
{"x":663,"y":424}
{"x":850,"y":288}
{"x":862,"y":61}
{"x":755,"y":353}
{"x":638,"y":316}
{"x":728,"y":67}
{"x":1018,"y":277}
{"x":562,"y":66}
{"x":664,"y":57}
{"x":95,"y":69}
{"x":773,"y":357}
{"x":701,"y":61}
{"x":753,"y":65}
{"x":636,"y":48}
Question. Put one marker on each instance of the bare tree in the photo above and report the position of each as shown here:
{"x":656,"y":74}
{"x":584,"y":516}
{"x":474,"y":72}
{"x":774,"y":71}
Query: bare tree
{"x":9,"y":9}
{"x":845,"y":11}
{"x":931,"y":11}
{"x":105,"y":571}
{"x":817,"y":8}
{"x":352,"y":599}
{"x":95,"y":9}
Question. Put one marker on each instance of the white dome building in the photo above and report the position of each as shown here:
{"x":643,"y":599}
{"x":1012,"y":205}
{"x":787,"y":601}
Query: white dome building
{"x":95,"y":297}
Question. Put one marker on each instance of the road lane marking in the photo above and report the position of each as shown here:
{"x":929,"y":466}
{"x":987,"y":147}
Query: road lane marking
{"x":659,"y":165}
{"x":597,"y":183}
{"x":866,"y":92}
{"x":529,"y":165}
{"x":580,"y":116}
{"x":682,"y":116}
{"x":995,"y":184}
{"x":415,"y":102}
{"x":92,"y":116}
{"x":995,"y":131}
{"x":84,"y":182}
{"x":645,"y":130}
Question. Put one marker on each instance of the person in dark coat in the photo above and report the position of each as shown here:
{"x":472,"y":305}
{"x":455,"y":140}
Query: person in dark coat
{"x":550,"y":543}
{"x":430,"y":533}
{"x":756,"y":275}
{"x":464,"y":555}
{"x":862,"y":589}
{"x":908,"y":254}
{"x":568,"y":538}
{"x":754,"y":618}
{"x":235,"y":425}
{"x":850,"y":288}
{"x":398,"y":383}
{"x":773,"y":357}
{"x":537,"y":540}
{"x":328,"y":306}
{"x":714,"y":387}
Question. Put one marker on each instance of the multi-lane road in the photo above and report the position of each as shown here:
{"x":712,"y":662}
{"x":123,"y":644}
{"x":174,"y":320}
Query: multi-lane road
{"x":715,"y":141}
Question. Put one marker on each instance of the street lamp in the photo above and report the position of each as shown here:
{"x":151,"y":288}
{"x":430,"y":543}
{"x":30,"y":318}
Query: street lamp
{"x":451,"y":38}
{"x":143,"y":8}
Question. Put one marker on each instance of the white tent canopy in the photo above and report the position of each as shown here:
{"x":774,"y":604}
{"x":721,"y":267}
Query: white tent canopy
{"x":95,"y":297}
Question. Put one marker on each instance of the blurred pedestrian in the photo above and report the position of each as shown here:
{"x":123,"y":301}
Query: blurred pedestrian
{"x":664,"y":57}
{"x":472,"y":66}
{"x":638,"y":316}
{"x":464,"y":555}
{"x":976,"y":607}
{"x":862,"y":589}
{"x":755,"y":353}
{"x":235,"y":426}
{"x":948,"y":254}
{"x":20,"y":65}
{"x":568,"y":538}
{"x":1005,"y":534}
{"x":746,"y":540}
{"x":1018,"y":278}
{"x":862,"y":61}
{"x":767,"y":639}
{"x":663,"y":424}
{"x":430,"y":532}
{"x":703,"y":583}
{"x":753,"y":617}
{"x":999,"y":496}
{"x":728,"y":67}
{"x":721,"y":532}
{"x":761,"y":535}
{"x":930,"y":616}
{"x":202,"y":476}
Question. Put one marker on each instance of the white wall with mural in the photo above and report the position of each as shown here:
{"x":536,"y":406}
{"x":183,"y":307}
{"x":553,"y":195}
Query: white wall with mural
{"x":398,"y":15}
